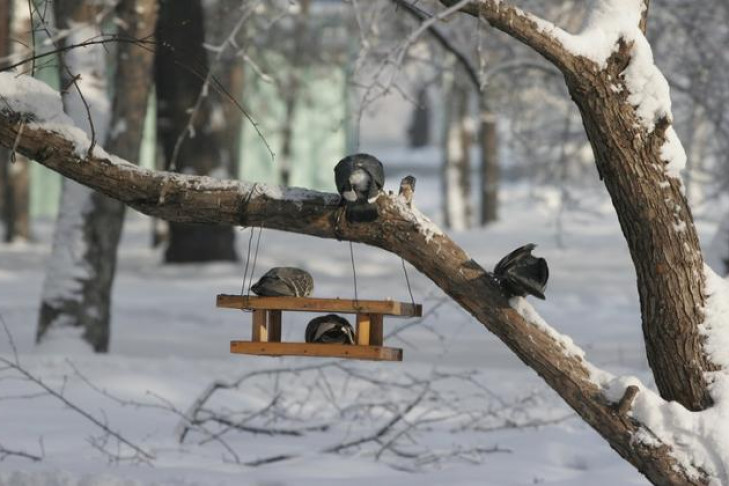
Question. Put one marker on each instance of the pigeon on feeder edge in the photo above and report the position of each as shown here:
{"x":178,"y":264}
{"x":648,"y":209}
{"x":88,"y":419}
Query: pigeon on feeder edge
{"x":329,"y":329}
{"x":520,"y":273}
{"x":284,"y":282}
{"x":359,"y":179}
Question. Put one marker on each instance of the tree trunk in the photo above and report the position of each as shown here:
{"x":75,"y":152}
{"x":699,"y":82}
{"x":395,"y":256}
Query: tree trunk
{"x":419,"y":129}
{"x":70,"y":273}
{"x":667,"y":256}
{"x":188,"y":143}
{"x":227,"y":67}
{"x":6,"y":193}
{"x":457,"y":139}
{"x":14,"y":173}
{"x":95,"y":225}
{"x":490,"y":169}
{"x":292,"y":90}
{"x":104,"y":222}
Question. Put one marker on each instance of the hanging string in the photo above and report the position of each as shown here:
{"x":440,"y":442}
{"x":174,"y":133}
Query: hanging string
{"x":354,"y":271}
{"x":248,"y":259}
{"x":255,"y":259}
{"x":407,"y":280}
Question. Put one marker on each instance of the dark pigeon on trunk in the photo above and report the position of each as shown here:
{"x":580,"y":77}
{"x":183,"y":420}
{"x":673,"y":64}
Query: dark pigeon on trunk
{"x":284,"y":282}
{"x":520,"y":273}
{"x":329,"y":329}
{"x":360,"y":179}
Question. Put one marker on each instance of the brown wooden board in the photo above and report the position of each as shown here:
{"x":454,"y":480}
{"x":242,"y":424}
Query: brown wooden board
{"x":374,"y":353}
{"x":308,"y":304}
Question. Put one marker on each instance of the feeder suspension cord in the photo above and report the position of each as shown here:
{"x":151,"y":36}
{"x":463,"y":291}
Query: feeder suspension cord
{"x":407,"y":280}
{"x":255,"y":259}
{"x":248,"y":259}
{"x":354,"y":271}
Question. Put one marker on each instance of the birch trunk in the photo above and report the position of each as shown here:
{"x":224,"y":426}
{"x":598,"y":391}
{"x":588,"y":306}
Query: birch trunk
{"x":490,"y":170}
{"x":78,"y":287}
{"x":64,"y":314}
{"x":457,"y":139}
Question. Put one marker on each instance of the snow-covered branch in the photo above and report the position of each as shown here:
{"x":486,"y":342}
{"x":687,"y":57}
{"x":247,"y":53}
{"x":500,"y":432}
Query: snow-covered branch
{"x":539,"y":34}
{"x":400,"y":229}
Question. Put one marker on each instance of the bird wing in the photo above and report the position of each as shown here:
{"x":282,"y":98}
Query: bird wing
{"x":530,"y":278}
{"x":341,"y":172}
{"x":323,"y":328}
{"x":376,"y":171}
{"x":510,"y":259}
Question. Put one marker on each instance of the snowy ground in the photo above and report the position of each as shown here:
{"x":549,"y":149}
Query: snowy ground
{"x":477,"y":415}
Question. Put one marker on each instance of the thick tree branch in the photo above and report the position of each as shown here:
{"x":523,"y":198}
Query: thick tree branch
{"x":533,"y":31}
{"x":399,"y":229}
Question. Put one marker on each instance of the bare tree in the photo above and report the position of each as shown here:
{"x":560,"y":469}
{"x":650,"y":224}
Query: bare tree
{"x":78,"y":286}
{"x":457,"y":140}
{"x":184,"y":115}
{"x":15,"y":31}
{"x":637,"y":154}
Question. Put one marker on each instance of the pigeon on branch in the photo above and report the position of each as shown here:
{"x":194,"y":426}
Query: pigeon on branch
{"x":520,"y":273}
{"x":359,"y":179}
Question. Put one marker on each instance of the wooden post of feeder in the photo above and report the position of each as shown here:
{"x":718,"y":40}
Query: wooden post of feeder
{"x":376,"y":321}
{"x":274,"y":326}
{"x":363,"y":329}
{"x":259,"y":333}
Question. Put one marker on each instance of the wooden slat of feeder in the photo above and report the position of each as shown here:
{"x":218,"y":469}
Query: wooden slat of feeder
{"x":374,"y":353}
{"x":308,"y":304}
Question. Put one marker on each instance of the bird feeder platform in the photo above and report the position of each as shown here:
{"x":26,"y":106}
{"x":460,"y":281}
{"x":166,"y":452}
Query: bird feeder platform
{"x":267,"y":319}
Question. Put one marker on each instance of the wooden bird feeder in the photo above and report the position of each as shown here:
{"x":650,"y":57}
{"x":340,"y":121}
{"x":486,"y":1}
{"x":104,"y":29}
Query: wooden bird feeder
{"x":267,"y":319}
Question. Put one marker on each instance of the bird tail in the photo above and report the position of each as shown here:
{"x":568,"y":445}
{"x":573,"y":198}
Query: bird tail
{"x":361,"y":213}
{"x":522,"y":273}
{"x":268,"y":287}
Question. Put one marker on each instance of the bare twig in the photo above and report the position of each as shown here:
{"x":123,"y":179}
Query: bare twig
{"x":626,"y":402}
{"x":5,"y":453}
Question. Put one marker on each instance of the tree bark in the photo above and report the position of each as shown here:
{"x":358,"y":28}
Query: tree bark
{"x":70,"y":273}
{"x":456,"y":168}
{"x":227,"y":67}
{"x":6,"y":194}
{"x":291,"y":91}
{"x":105,"y":221}
{"x":667,"y":255}
{"x":14,"y":173}
{"x":490,"y":169}
{"x":419,"y":129}
{"x":189,"y":145}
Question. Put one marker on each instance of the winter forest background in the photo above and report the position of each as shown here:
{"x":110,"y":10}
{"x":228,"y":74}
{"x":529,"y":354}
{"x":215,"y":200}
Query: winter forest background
{"x":114,"y":362}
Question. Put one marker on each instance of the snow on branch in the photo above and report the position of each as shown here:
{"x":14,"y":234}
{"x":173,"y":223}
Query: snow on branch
{"x":37,"y":105}
{"x":610,"y":25}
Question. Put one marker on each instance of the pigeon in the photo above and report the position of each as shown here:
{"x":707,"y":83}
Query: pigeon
{"x":284,"y":281}
{"x":359,"y":179}
{"x":329,"y":329}
{"x":520,"y":273}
